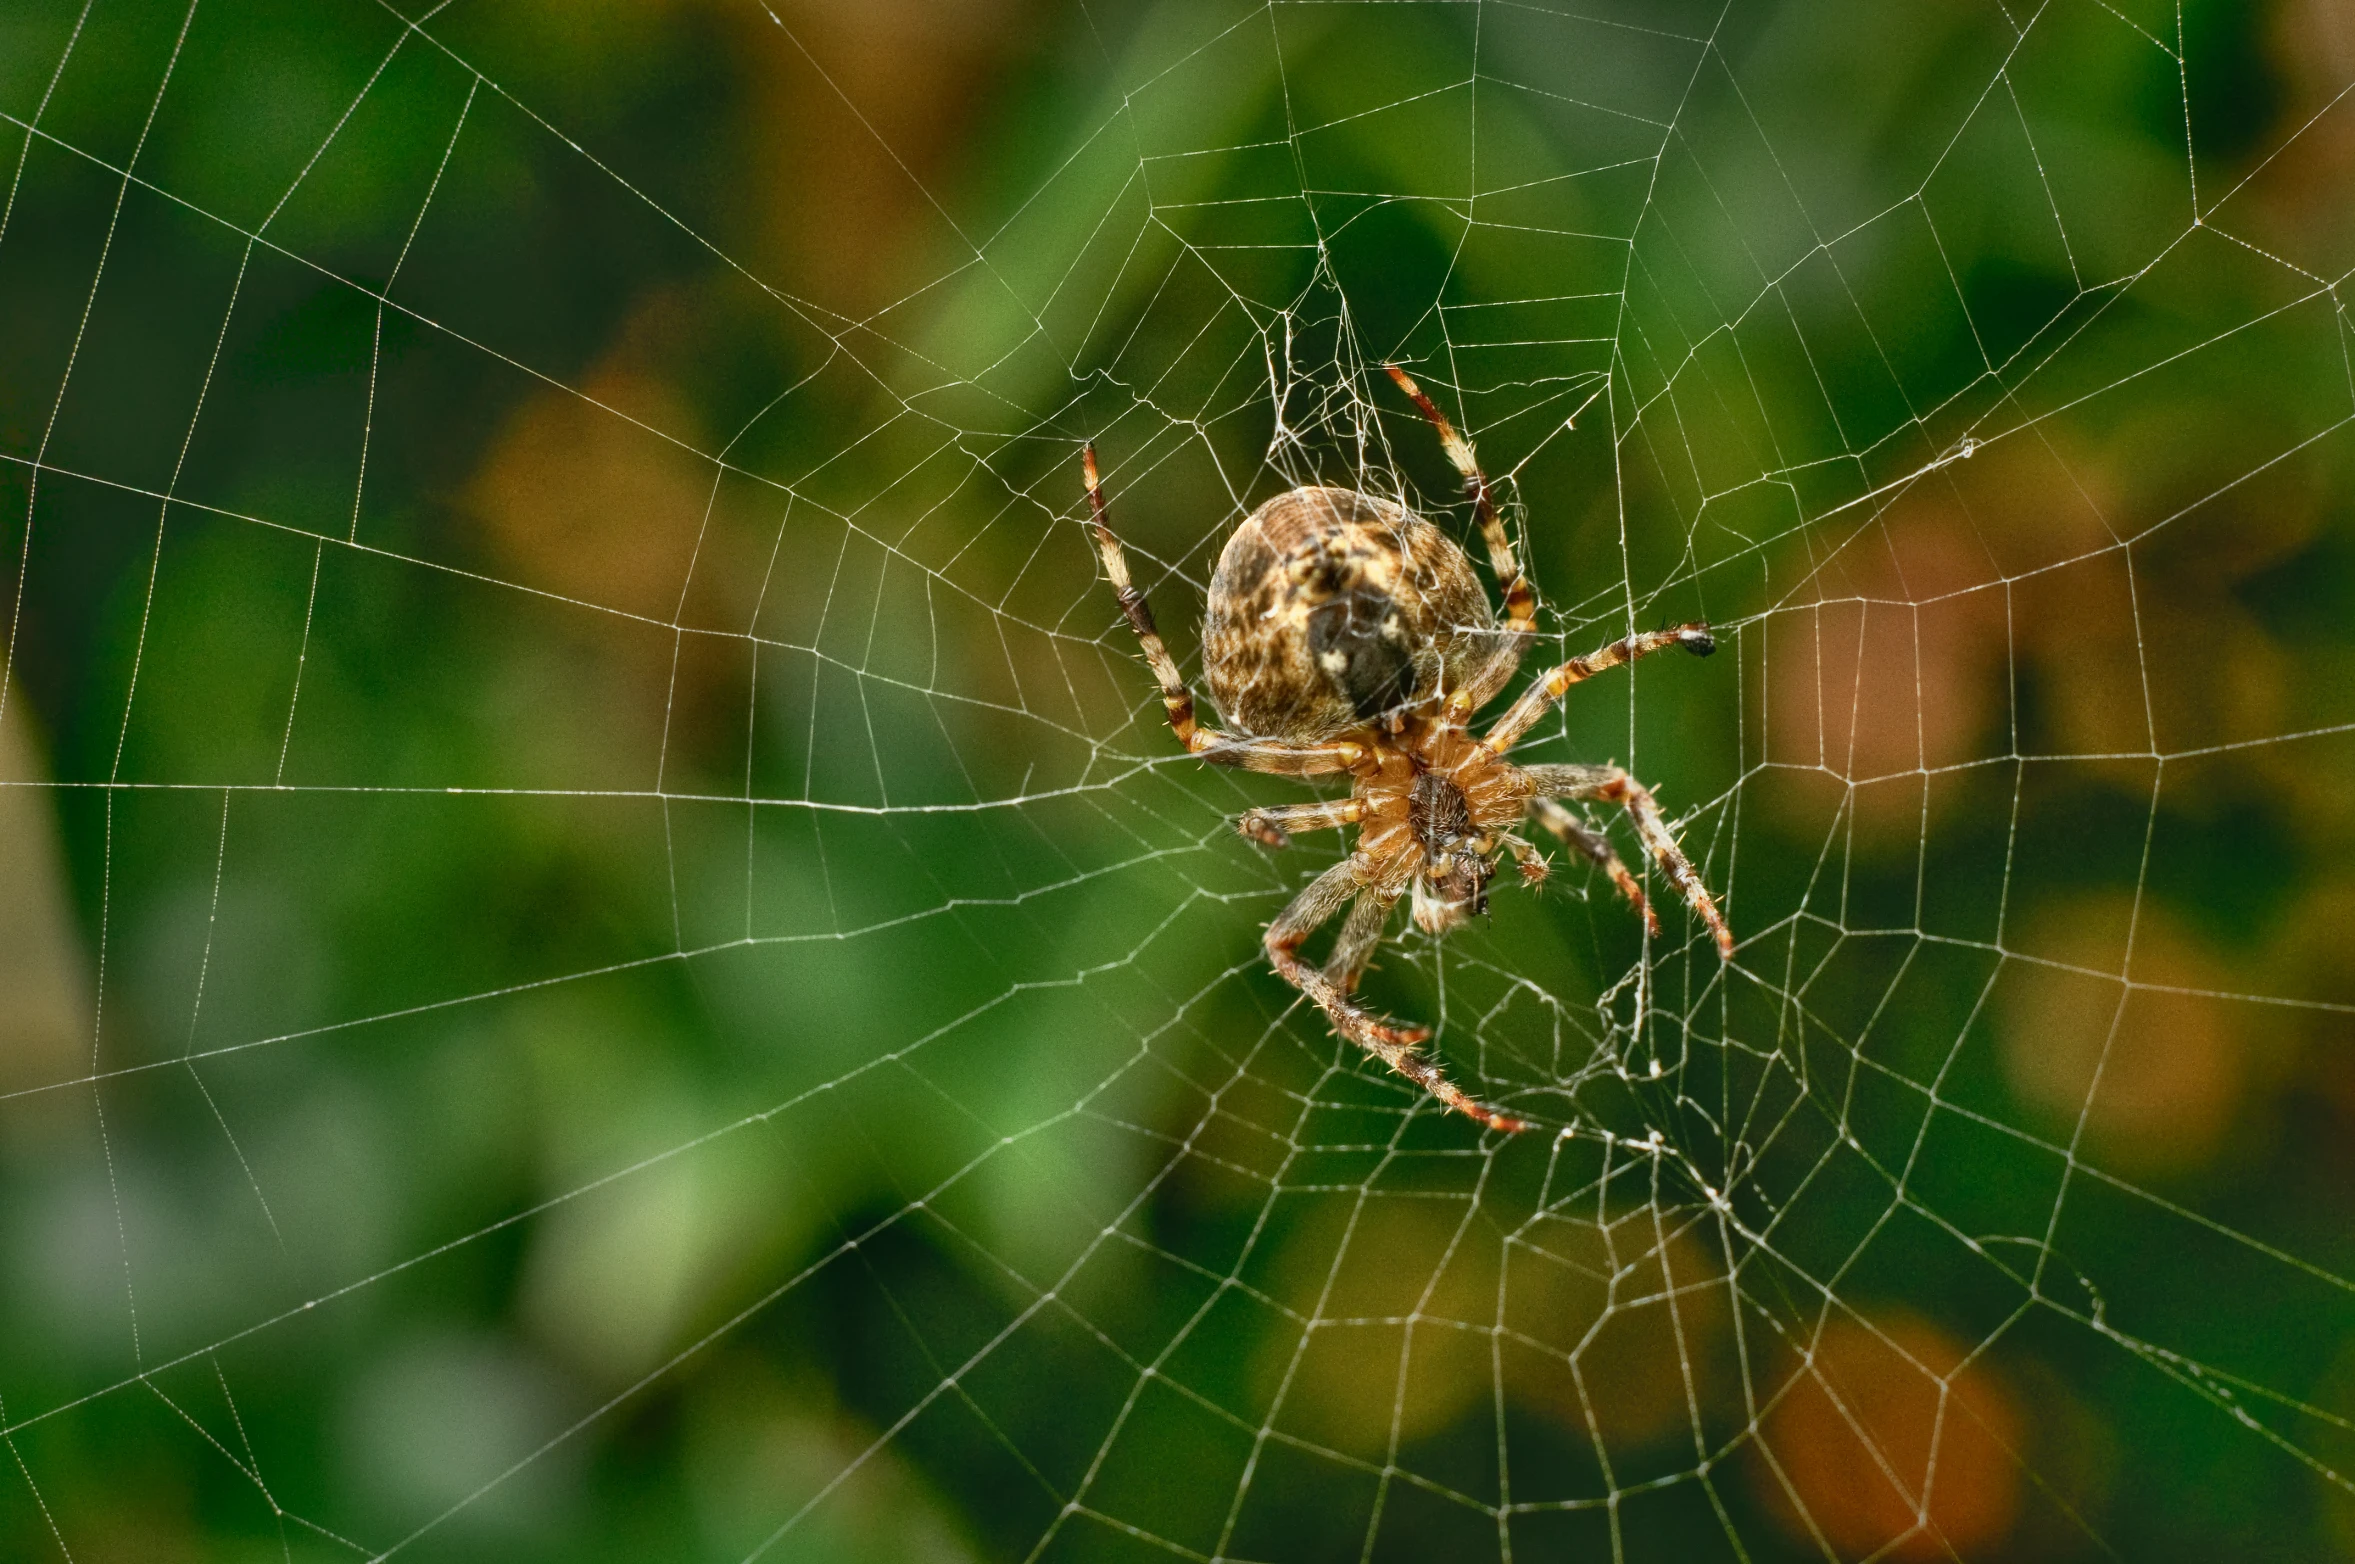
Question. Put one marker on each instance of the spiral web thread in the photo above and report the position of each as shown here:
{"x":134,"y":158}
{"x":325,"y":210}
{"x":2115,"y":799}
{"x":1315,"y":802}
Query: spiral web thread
{"x":981,"y":946}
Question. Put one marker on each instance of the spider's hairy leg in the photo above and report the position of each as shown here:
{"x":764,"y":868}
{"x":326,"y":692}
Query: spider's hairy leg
{"x":1225,"y":749}
{"x":1526,"y":858}
{"x":1392,"y":1044}
{"x":1539,"y":697}
{"x":1520,"y":598}
{"x":1361,"y":934}
{"x":1597,"y":848}
{"x":1174,"y":694}
{"x":1308,"y":911}
{"x":1279,"y":757}
{"x":1609,"y":784}
{"x":1273,"y":828}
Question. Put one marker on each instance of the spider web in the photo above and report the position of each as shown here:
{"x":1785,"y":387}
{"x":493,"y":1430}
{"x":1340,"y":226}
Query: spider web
{"x":634,"y":970}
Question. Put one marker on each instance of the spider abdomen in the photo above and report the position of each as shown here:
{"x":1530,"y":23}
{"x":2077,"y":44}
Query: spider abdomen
{"x":1331,"y":607}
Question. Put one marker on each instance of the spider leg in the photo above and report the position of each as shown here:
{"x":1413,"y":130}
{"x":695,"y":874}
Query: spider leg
{"x":1392,"y":1044}
{"x":1597,"y":848}
{"x":1535,"y":700}
{"x":1609,"y":784}
{"x":1526,"y":858}
{"x":1520,"y":599}
{"x":1224,"y":749}
{"x":1361,"y":934}
{"x":1273,"y":828}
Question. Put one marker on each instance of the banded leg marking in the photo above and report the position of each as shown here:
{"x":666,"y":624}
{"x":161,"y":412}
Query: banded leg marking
{"x":1273,"y":828}
{"x":1387,"y":1041}
{"x":1361,"y":935}
{"x":1224,"y":749}
{"x":1597,"y":848}
{"x":1540,"y":697}
{"x":1609,"y":784}
{"x":1520,"y":599}
{"x":1174,"y":695}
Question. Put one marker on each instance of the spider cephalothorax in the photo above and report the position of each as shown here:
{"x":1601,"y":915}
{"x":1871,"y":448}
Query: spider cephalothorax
{"x":1347,"y":634}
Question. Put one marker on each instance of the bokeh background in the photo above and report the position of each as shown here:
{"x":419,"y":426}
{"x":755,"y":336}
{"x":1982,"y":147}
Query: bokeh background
{"x":601,"y":955}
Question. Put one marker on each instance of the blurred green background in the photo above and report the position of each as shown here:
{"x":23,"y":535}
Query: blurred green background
{"x":603,"y":953}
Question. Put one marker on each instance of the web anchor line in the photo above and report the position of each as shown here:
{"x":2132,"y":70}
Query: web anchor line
{"x":605,"y":915}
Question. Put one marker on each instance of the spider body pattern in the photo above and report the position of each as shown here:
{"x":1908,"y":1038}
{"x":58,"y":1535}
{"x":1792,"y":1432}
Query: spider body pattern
{"x":1345,"y":635}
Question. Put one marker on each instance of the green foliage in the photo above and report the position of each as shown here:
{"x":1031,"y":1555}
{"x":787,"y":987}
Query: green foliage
{"x":653,"y":977}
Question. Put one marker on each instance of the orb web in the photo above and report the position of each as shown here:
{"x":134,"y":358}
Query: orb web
{"x":633,"y":965}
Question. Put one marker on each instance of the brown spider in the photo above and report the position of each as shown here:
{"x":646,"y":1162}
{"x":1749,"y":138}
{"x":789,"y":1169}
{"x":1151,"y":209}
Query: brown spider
{"x":1347,"y":634}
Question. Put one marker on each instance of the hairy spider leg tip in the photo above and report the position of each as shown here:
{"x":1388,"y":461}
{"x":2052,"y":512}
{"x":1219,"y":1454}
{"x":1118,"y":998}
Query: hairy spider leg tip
{"x":1266,"y":833}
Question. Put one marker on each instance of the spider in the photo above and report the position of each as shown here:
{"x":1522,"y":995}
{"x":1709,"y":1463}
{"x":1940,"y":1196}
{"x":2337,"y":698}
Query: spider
{"x":1345,"y":633}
